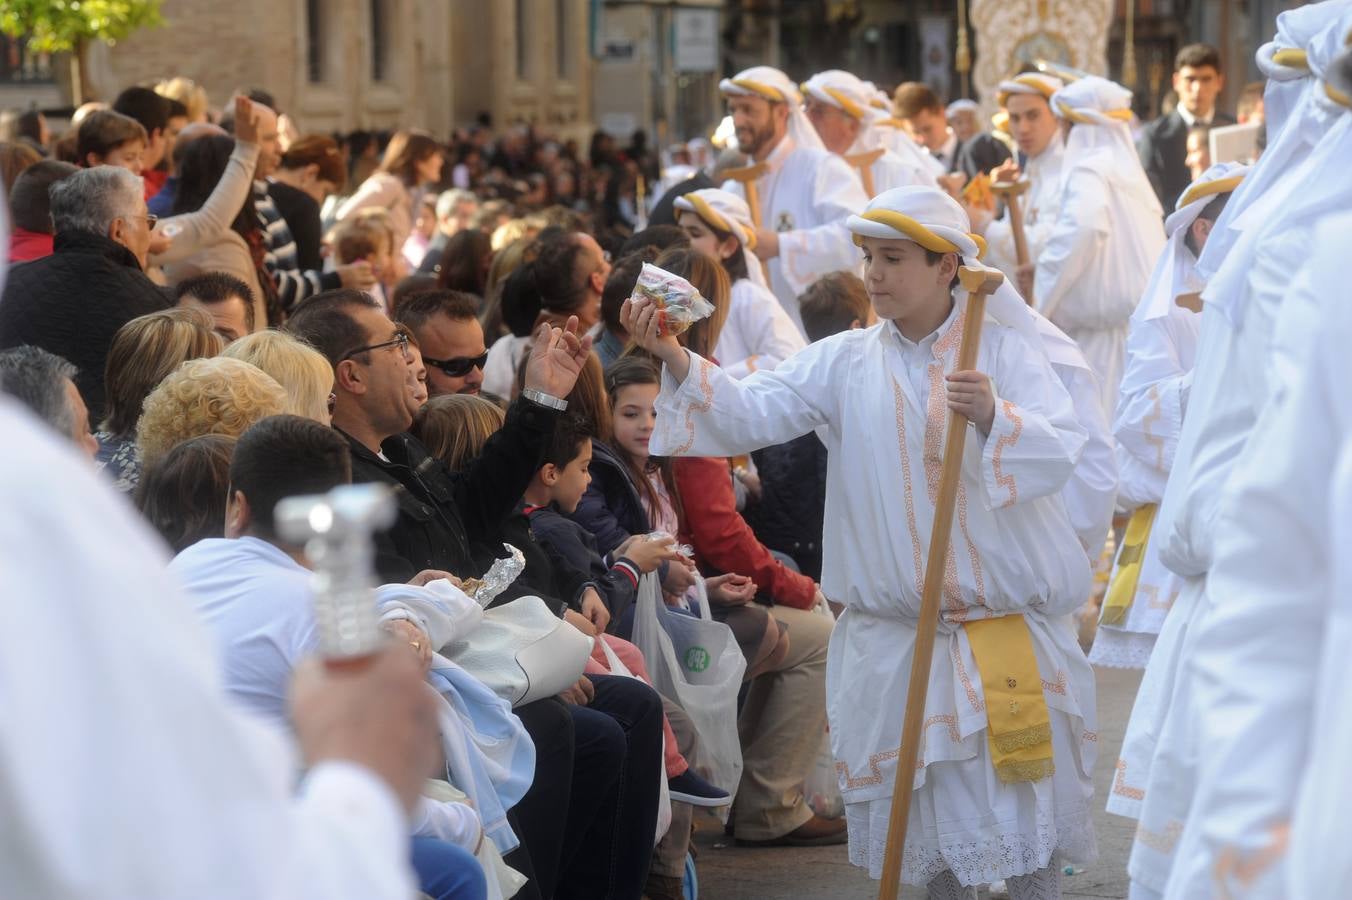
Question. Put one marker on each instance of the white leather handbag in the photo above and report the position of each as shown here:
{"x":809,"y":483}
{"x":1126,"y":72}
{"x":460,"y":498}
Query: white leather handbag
{"x":522,"y":652}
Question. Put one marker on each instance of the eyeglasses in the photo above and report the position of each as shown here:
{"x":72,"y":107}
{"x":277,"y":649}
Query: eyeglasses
{"x":150,"y":218}
{"x":400,"y":340}
{"x":460,"y":366}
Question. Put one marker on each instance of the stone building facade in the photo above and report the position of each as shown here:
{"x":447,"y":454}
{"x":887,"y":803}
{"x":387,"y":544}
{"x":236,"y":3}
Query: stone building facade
{"x":349,"y":64}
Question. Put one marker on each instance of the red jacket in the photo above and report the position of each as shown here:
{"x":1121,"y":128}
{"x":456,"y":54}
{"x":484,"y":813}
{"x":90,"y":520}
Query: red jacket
{"x":152,"y":181}
{"x":724,"y":541}
{"x":26,"y":246}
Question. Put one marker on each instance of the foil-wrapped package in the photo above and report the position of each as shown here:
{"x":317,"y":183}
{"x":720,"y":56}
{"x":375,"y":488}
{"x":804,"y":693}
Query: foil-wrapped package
{"x":497,"y":579}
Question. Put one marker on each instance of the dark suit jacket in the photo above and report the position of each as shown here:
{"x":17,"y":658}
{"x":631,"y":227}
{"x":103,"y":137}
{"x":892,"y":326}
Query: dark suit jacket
{"x":981,"y":154}
{"x":1163,"y":147}
{"x":73,"y":302}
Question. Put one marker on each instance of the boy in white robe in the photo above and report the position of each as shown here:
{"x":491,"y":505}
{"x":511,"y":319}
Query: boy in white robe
{"x":1161,"y":348}
{"x":798,"y":193}
{"x":1249,"y":264}
{"x":881,"y":397}
{"x":758,"y":333}
{"x":1097,"y":259}
{"x":1036,"y":130}
{"x":837,"y":105}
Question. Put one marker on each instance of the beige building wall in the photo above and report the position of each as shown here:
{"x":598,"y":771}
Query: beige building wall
{"x":523,"y":61}
{"x":446,"y":61}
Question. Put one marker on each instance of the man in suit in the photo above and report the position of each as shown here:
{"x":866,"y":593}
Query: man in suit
{"x":921,"y":113}
{"x":1163,"y":144}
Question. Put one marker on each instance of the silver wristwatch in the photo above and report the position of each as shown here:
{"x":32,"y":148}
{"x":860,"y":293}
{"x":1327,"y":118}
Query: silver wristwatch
{"x":544,"y":399}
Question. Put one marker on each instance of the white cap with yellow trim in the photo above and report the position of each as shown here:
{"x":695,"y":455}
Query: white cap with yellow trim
{"x":1101,"y":137}
{"x":725,"y":211}
{"x":1093,"y":101}
{"x":1300,"y":177}
{"x":843,"y":91}
{"x":773,"y":85}
{"x":934,"y":220}
{"x":1035,"y":83}
{"x":1176,"y":270}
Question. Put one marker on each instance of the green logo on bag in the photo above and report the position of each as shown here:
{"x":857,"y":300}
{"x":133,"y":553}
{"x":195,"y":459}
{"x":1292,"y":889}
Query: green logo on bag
{"x":697,"y":659}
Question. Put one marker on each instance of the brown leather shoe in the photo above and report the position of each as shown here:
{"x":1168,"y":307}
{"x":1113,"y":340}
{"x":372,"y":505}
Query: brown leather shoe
{"x":815,"y":832}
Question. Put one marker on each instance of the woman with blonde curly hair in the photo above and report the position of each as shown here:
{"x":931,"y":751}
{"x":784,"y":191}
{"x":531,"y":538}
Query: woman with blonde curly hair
{"x":143,"y":352}
{"x":300,"y":369}
{"x":206,"y":396}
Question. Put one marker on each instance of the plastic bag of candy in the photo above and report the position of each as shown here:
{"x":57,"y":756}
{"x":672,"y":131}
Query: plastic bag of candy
{"x":679,"y":304}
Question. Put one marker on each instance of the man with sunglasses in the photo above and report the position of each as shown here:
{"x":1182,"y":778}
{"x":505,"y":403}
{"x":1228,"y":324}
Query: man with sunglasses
{"x":446,"y":326}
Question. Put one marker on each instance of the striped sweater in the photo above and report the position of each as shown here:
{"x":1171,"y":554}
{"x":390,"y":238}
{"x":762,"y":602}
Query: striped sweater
{"x":293,"y":284}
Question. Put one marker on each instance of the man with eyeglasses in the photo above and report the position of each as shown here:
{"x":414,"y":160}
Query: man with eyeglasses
{"x":72,"y":302}
{"x":446,"y":326}
{"x":438,"y":510}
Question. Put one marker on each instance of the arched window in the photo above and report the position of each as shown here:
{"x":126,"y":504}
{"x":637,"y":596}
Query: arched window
{"x":380,"y":40}
{"x":563,"y":39}
{"x":316,"y":53}
{"x":523,"y":50}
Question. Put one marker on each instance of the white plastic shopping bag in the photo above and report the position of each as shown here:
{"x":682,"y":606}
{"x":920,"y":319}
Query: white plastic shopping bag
{"x":697,"y":664}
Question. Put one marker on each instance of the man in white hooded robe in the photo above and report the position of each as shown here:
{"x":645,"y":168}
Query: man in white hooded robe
{"x":798,"y":193}
{"x":1097,"y":260}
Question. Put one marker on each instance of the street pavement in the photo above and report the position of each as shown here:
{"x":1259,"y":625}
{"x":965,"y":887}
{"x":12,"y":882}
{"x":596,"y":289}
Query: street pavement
{"x":728,"y":872}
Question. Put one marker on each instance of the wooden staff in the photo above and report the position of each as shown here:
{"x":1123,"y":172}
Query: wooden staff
{"x":1011,"y":191}
{"x":863,"y":164}
{"x":748,"y":176}
{"x":1191,"y":301}
{"x":979,"y":284}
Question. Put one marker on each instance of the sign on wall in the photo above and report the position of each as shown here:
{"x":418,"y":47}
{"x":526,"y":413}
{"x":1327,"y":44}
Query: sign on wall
{"x":695,"y":40}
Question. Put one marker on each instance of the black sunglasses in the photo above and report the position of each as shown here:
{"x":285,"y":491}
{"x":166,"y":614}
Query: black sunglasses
{"x":401,"y":339}
{"x":458,"y":367}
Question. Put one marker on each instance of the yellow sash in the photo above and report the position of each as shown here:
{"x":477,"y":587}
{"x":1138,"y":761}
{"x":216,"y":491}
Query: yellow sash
{"x":1019,"y":724}
{"x":1122,"y":591}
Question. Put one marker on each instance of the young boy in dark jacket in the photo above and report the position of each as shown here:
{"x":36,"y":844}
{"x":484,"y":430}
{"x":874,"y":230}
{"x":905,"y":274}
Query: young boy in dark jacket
{"x":553,"y":493}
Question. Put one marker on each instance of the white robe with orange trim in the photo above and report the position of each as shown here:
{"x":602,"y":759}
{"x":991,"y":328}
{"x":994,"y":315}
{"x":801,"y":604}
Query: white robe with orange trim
{"x":881,"y":400}
{"x":805,"y":197}
{"x":758,"y":333}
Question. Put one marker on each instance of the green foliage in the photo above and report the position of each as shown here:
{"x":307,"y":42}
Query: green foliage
{"x":57,"y":25}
